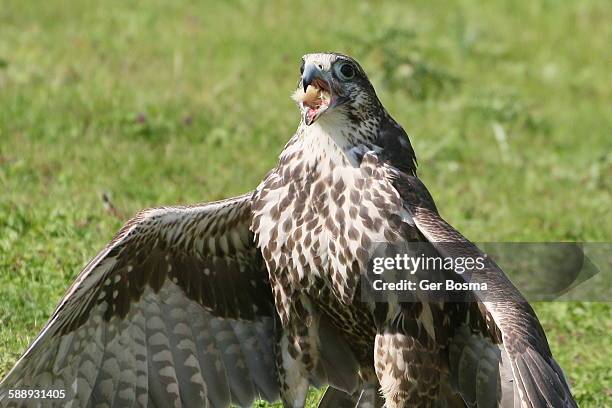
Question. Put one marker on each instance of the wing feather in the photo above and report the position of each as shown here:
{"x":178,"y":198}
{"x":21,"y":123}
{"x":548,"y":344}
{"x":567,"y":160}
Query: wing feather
{"x":507,"y":314}
{"x":175,"y":311}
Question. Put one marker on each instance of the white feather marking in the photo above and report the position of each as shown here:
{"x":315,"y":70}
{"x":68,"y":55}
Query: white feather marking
{"x":163,"y":355}
{"x":182,"y":329}
{"x":212,"y":245}
{"x":426,"y":318}
{"x":158,"y":339}
{"x":155,"y":323}
{"x":63,"y":349}
{"x":223,"y":244}
{"x":106,"y":388}
{"x":127,"y":394}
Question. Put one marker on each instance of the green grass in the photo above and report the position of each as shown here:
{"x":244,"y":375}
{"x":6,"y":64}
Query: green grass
{"x":507,"y":102}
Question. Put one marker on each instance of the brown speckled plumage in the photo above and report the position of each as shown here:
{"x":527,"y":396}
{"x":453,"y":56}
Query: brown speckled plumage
{"x":257,"y":296}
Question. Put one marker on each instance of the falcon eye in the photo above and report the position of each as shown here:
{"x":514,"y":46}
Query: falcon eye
{"x":346,"y":71}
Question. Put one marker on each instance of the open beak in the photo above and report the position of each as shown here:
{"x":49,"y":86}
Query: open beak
{"x":317,"y":96}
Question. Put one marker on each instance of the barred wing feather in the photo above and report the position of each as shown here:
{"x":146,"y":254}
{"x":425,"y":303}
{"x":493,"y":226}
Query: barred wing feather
{"x":175,"y":311}
{"x":515,"y":355}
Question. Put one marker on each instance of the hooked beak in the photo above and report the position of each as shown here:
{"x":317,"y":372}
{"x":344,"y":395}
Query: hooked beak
{"x":311,"y":71}
{"x":317,"y":96}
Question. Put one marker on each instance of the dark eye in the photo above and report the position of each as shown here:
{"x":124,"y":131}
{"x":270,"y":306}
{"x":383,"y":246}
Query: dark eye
{"x":346,"y":71}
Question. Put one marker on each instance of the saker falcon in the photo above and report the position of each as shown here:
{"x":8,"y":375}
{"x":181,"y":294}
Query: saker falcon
{"x":257,"y":296}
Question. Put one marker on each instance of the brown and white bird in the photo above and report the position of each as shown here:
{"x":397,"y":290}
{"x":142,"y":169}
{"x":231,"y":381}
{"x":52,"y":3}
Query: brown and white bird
{"x":257,"y":296}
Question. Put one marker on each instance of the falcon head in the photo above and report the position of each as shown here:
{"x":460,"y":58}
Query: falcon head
{"x":334,"y":84}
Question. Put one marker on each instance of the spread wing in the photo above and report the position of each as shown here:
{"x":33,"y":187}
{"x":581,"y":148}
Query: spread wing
{"x":175,"y":311}
{"x":508,"y":318}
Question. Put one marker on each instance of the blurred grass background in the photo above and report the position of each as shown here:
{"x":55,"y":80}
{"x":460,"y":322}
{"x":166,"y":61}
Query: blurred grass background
{"x":508,"y":104}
